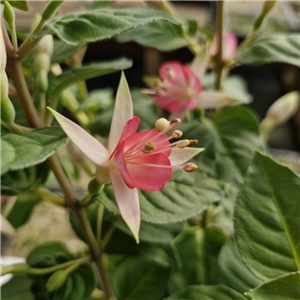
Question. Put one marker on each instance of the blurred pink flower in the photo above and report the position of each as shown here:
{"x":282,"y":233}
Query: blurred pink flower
{"x":230,"y":44}
{"x":133,"y":160}
{"x":179,"y":88}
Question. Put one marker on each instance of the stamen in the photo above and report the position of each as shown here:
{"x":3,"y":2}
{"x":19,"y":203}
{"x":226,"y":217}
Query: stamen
{"x":177,"y":134}
{"x":182,"y":144}
{"x":161,"y":124}
{"x":175,"y":121}
{"x":193,"y":142}
{"x":148,"y":147}
{"x":148,"y":92}
{"x":190,"y":167}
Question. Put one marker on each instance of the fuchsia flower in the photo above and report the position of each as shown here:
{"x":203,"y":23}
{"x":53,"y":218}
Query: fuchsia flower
{"x":180,"y":88}
{"x":133,"y":159}
{"x":230,"y":44}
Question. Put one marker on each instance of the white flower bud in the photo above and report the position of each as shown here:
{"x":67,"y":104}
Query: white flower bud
{"x":280,"y":111}
{"x":2,"y":53}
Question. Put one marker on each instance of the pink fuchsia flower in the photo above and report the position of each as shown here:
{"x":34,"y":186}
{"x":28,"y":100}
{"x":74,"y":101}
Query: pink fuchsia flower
{"x":133,"y":159}
{"x":230,"y":44}
{"x":180,"y":89}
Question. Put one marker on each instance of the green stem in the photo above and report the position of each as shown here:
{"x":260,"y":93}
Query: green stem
{"x":29,"y":43}
{"x":43,"y":107}
{"x":95,"y":250}
{"x":77,"y":262}
{"x":99,"y":223}
{"x":15,"y":71}
{"x":107,"y":236}
{"x":48,"y":196}
{"x":219,"y":56}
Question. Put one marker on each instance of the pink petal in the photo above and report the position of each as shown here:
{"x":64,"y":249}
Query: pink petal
{"x":128,"y":203}
{"x":123,"y":112}
{"x":93,"y":149}
{"x":230,"y":46}
{"x":193,"y":83}
{"x":130,"y":128}
{"x":181,"y":156}
{"x":214,"y":100}
{"x":175,"y":68}
{"x":154,"y":137}
{"x":119,"y":162}
{"x":170,"y":104}
{"x":150,"y":178}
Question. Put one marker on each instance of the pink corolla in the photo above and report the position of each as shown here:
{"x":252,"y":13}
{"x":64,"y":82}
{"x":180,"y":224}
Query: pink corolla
{"x":230,"y":44}
{"x":179,"y":87}
{"x":133,"y":159}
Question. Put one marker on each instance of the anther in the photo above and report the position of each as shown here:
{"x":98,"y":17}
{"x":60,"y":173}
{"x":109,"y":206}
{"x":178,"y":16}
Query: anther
{"x":177,"y":134}
{"x":182,"y":144}
{"x":193,"y":142}
{"x":190,"y":167}
{"x":148,"y":147}
{"x":176,"y":120}
{"x":161,"y":124}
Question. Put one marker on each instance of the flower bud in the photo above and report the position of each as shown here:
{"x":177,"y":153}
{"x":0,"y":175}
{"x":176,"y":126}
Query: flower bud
{"x":267,"y":6}
{"x":9,"y":15}
{"x":8,"y":113}
{"x":56,"y":280}
{"x":2,"y":53}
{"x":51,"y":9}
{"x":280,"y":111}
{"x":94,"y":186}
{"x":43,"y":53}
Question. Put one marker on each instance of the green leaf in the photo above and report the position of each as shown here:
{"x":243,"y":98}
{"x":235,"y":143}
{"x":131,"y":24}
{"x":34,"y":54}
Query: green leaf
{"x":17,"y":182}
{"x":22,"y":209}
{"x":183,"y":197}
{"x":46,"y":250}
{"x":63,"y":51}
{"x":272,"y":49}
{"x":17,"y":288}
{"x":98,"y":25}
{"x":4,"y":130}
{"x":26,"y":149}
{"x":86,"y":72}
{"x":196,"y":251}
{"x":266,"y":219}
{"x":233,"y":272}
{"x":160,"y":35}
{"x":206,"y":292}
{"x":230,"y":141}
{"x":98,"y":99}
{"x":22,"y":5}
{"x":282,"y":288}
{"x":145,"y":279}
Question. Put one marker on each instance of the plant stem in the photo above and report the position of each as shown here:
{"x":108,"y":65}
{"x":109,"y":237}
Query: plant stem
{"x":15,"y":70}
{"x":219,"y":56}
{"x":52,"y":198}
{"x":99,"y":223}
{"x":35,"y":271}
{"x":95,"y":251}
